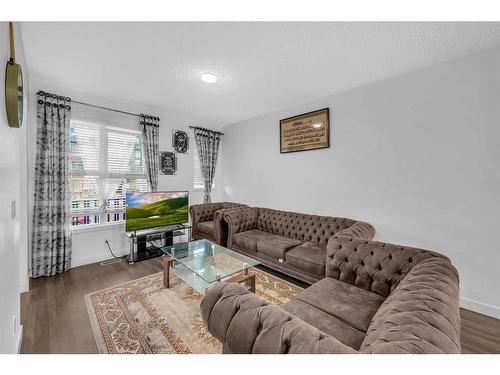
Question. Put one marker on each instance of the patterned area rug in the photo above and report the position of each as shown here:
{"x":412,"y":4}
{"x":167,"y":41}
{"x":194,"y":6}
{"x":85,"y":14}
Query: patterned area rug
{"x":142,"y":316}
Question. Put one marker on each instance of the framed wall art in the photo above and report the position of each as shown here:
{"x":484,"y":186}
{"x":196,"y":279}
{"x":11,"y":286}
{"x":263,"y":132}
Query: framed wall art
{"x":180,"y":141}
{"x":309,"y":131}
{"x":168,"y":163}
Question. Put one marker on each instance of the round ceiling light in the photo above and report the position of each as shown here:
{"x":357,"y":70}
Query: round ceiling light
{"x":208,"y":78}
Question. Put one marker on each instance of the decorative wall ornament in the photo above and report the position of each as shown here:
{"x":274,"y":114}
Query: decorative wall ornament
{"x":168,"y":163}
{"x":309,"y":131}
{"x":14,"y":90}
{"x":180,"y":141}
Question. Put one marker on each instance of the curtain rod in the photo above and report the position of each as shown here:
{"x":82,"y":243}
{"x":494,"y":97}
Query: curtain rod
{"x":106,"y":108}
{"x":215,"y":131}
{"x":97,"y":106}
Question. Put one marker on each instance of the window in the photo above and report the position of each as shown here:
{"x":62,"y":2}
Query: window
{"x":106,"y":162}
{"x":197,"y":176}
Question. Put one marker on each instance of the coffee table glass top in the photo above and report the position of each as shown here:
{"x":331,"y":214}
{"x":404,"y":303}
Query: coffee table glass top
{"x":210,"y":261}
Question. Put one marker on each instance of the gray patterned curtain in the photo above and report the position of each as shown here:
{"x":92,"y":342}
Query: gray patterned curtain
{"x":51,"y":238}
{"x":150,"y":133}
{"x":207,"y":143}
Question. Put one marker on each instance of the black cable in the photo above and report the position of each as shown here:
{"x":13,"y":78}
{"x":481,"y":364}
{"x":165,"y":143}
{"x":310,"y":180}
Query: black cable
{"x":111,"y":251}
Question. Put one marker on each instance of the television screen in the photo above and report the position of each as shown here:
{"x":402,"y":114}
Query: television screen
{"x":149,"y":210}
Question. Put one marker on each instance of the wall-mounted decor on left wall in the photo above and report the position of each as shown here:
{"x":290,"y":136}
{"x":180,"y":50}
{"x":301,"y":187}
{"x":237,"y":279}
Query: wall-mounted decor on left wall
{"x":180,"y":141}
{"x":13,"y":87}
{"x":168,"y":163}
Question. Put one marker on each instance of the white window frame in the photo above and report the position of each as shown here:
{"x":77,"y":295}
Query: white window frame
{"x":104,"y":130}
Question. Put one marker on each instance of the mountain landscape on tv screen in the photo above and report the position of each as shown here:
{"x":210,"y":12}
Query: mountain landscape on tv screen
{"x":161,"y":213}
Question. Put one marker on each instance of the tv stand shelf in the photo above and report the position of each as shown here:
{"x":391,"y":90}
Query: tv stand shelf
{"x":143,"y":243}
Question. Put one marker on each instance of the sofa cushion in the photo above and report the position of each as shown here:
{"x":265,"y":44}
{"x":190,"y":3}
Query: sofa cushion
{"x":353,"y":305}
{"x":276,"y":246}
{"x":206,"y":227}
{"x":308,"y":257}
{"x":326,"y":323}
{"x":248,"y":240}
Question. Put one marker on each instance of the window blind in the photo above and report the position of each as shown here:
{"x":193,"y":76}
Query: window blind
{"x":86,"y":151}
{"x":124,"y":152}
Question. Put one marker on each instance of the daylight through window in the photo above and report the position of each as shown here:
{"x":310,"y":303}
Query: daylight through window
{"x":106,"y":162}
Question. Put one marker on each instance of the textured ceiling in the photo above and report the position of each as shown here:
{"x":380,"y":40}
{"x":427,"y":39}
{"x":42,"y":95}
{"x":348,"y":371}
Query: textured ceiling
{"x":260,"y":66}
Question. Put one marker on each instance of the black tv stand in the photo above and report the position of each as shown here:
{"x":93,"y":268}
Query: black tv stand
{"x":147,"y":243}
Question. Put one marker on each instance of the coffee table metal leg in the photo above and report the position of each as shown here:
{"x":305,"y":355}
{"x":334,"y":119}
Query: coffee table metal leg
{"x":167,"y":262}
{"x":252,"y":283}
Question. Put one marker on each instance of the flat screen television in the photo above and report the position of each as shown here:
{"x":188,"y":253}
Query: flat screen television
{"x":150,"y":210}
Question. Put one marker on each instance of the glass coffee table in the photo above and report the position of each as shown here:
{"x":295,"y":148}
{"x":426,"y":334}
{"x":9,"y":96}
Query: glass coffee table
{"x":201,"y":263}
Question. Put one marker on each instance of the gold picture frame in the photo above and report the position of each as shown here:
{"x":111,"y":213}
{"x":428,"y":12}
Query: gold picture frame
{"x":305,"y":132}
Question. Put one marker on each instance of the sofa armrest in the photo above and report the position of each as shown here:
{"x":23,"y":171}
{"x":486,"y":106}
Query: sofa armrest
{"x":202,"y":212}
{"x":220,"y":225}
{"x":245,"y":323}
{"x":359,"y":229}
{"x":422,"y":315}
{"x":240,"y":220}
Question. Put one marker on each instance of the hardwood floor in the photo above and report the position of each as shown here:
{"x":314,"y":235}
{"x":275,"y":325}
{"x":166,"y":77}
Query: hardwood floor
{"x":55,"y":318}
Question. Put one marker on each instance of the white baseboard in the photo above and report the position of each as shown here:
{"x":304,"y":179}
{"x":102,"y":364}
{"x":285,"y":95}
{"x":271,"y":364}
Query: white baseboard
{"x":76,"y":262}
{"x":479,"y":307}
{"x":24,"y":287}
{"x":19,"y":339}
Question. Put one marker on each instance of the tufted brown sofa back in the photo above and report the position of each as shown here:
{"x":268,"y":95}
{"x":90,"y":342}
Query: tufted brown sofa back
{"x":227,"y":205}
{"x":375,"y":266}
{"x":204,"y":211}
{"x":303,"y":227}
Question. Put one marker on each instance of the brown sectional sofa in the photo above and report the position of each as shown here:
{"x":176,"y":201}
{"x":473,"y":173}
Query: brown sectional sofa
{"x":375,"y":298}
{"x":206,"y":219}
{"x":290,"y":242}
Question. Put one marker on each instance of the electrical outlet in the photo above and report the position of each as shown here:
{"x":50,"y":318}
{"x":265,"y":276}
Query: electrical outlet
{"x":14,"y":326}
{"x":13,"y":209}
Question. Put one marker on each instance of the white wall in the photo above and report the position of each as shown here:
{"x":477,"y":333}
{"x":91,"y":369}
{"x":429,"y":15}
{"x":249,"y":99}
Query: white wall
{"x":415,"y":155}
{"x":88,"y":243}
{"x":13,"y":231}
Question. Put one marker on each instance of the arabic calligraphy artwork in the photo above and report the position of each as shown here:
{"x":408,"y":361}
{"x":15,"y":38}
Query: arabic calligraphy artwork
{"x":309,"y":131}
{"x":180,"y":141}
{"x":168,"y":163}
